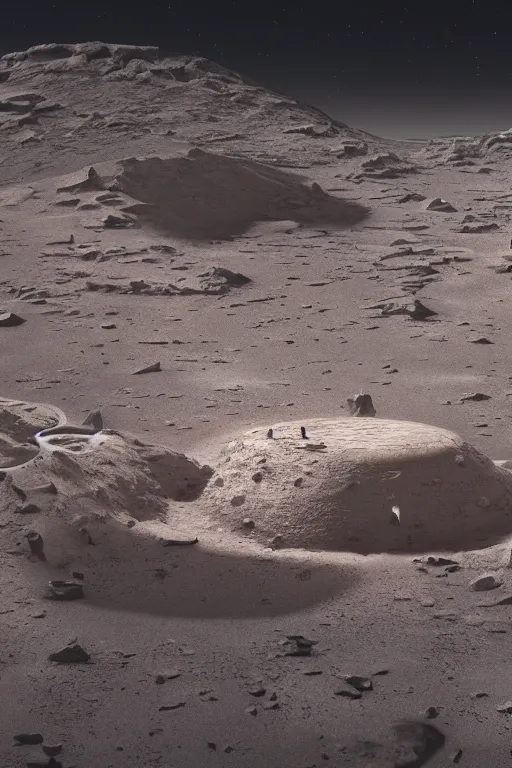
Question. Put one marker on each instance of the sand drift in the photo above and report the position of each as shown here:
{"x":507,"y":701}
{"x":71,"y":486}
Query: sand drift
{"x":358,"y":485}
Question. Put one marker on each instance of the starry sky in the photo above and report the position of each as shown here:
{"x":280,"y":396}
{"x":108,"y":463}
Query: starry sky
{"x":398,"y":68}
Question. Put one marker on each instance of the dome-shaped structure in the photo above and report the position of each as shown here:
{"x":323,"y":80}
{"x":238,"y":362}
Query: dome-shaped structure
{"x":361,"y":485}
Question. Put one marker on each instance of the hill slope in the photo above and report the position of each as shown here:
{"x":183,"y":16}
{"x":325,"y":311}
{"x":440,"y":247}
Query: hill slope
{"x":62,"y":106}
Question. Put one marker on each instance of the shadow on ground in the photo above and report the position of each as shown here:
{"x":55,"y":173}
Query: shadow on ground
{"x":205,"y":196}
{"x":192,"y":582}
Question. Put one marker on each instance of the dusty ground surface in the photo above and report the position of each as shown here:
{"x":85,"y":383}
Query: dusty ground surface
{"x":124,"y":267}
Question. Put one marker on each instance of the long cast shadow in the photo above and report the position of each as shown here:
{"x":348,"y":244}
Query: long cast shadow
{"x":205,"y":196}
{"x":146,"y":577}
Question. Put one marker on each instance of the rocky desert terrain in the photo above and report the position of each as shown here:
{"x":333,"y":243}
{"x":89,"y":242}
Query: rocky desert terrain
{"x":213,"y":552}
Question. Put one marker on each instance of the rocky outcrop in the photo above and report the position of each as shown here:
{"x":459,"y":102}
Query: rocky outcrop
{"x":215,"y":281}
{"x":361,"y":405}
{"x":190,"y":98}
{"x":415,"y":309}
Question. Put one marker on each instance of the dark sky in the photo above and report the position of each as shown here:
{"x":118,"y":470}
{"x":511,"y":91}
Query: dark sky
{"x":409,"y":68}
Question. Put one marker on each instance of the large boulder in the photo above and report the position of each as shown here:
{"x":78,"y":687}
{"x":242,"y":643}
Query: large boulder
{"x":363,"y":485}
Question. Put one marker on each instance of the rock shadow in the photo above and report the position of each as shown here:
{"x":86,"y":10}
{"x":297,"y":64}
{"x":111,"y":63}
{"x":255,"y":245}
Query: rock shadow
{"x":205,"y":196}
{"x":192,"y":582}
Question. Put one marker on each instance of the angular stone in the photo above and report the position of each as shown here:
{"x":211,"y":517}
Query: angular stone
{"x":36,"y":544}
{"x":71,"y":654}
{"x":303,"y":646}
{"x":113,"y":221}
{"x":419,"y":311}
{"x":10,"y":320}
{"x":94,"y":419}
{"x":474,"y":396}
{"x":64,"y":591}
{"x":359,"y":683}
{"x":154,"y":368}
{"x":443,"y":206}
{"x":485,"y":583}
{"x":361,"y":405}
